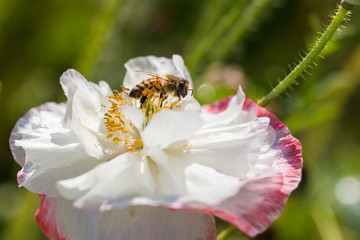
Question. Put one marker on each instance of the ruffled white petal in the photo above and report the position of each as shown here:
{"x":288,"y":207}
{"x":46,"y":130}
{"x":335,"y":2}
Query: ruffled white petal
{"x":182,"y":69}
{"x":46,"y":149}
{"x":40,"y":179}
{"x":48,"y":115}
{"x":205,"y":187}
{"x":110,"y":184}
{"x":233,"y":149}
{"x":59,"y":220}
{"x":171,"y":127}
{"x":233,"y":114}
{"x":85,"y":112}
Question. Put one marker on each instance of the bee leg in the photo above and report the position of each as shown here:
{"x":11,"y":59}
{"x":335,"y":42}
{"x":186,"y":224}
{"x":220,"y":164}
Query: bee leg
{"x":142,"y":100}
{"x":178,"y":94}
{"x":162,"y":98}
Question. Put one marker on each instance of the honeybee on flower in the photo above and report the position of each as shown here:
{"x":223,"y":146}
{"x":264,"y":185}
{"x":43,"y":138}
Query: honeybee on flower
{"x":160,"y":86}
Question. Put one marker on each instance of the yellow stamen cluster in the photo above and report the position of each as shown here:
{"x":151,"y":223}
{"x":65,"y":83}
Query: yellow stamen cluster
{"x":121,"y":129}
{"x":164,"y":104}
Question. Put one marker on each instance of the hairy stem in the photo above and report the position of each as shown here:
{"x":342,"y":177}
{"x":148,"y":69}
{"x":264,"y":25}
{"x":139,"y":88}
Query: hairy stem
{"x":308,"y":59}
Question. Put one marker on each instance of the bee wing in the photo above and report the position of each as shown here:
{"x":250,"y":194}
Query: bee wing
{"x":154,"y":75}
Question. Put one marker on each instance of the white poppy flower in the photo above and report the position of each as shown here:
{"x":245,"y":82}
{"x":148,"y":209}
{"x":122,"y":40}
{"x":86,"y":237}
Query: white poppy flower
{"x":104,"y":170}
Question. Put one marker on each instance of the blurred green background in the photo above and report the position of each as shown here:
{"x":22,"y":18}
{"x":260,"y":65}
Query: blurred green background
{"x":225,"y":43}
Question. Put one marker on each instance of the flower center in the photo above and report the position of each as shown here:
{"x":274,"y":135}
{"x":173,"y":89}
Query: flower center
{"x":120,"y":128}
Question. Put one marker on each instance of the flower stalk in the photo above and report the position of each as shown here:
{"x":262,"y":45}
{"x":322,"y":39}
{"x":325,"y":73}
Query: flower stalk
{"x":227,"y":232}
{"x":309,"y":58}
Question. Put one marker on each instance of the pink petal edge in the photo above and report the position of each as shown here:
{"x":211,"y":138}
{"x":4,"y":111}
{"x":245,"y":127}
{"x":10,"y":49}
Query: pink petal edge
{"x":275,"y":190}
{"x":46,"y":220}
{"x":151,"y":223}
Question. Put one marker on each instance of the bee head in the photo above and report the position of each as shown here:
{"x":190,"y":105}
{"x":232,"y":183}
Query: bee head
{"x":183,"y":87}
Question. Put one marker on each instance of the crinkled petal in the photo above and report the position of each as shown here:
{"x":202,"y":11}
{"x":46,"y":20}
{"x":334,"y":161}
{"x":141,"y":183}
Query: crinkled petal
{"x":85,"y":100}
{"x":262,"y":197}
{"x":110,"y":184}
{"x":230,"y":115}
{"x":46,"y":149}
{"x":59,"y":220}
{"x":84,"y":110}
{"x":205,"y":186}
{"x":180,"y":182}
{"x":48,"y":115}
{"x":139,"y":181}
{"x":171,"y":127}
{"x":231,"y":150}
{"x":40,"y":179}
{"x":158,"y":65}
{"x":50,"y":147}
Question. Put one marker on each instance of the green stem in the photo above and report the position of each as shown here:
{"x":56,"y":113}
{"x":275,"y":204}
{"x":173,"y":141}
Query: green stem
{"x":309,"y":58}
{"x":225,"y":234}
{"x":98,"y":36}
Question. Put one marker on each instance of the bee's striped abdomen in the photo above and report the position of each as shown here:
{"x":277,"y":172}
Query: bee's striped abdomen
{"x":146,"y":88}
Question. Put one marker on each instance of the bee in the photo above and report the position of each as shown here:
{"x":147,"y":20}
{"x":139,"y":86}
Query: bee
{"x":161,"y":85}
